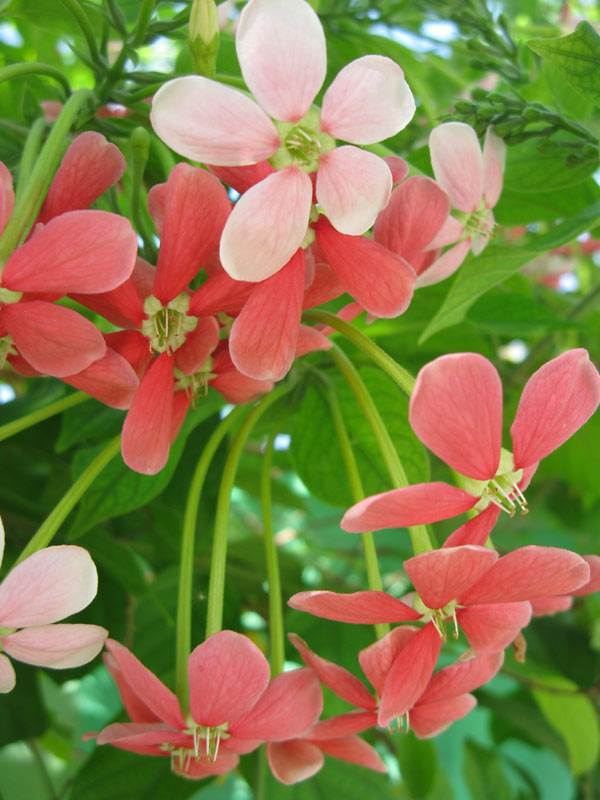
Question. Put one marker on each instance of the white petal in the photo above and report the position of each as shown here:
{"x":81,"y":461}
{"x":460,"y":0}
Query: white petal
{"x":282,"y":53}
{"x":267,"y":225}
{"x":458,"y":163}
{"x":368,"y":101}
{"x":56,"y":646}
{"x":211,"y":123}
{"x":7,"y":675}
{"x":494,"y":161}
{"x":353,"y":186}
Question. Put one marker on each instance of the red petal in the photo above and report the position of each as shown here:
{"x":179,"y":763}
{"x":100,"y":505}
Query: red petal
{"x":546,"y":606}
{"x":419,"y":504}
{"x":376,"y":660}
{"x":235,"y":387}
{"x":491,"y":628}
{"x":440,"y":576}
{"x":111,"y":380}
{"x":294,"y":761}
{"x":476,"y":530}
{"x":431,"y":719}
{"x":133,"y":346}
{"x":461,"y":677}
{"x":228,"y":674}
{"x":593,"y":584}
{"x":367,"y":608}
{"x":343,"y":725}
{"x":338,"y":679}
{"x":135,"y":705}
{"x":147,"y":428}
{"x":355,"y":750}
{"x":456,"y":410}
{"x":190,"y":357}
{"x":242,"y":178}
{"x":556,"y":401}
{"x":181,"y":405}
{"x":122,"y":306}
{"x":7,"y":195}
{"x":220,"y":293}
{"x":379,"y":280}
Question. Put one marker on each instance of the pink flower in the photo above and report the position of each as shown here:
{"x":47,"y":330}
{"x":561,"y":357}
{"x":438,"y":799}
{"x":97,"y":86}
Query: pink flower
{"x":456,"y":410}
{"x":552,"y":604}
{"x":472,"y":179}
{"x":281,"y":50}
{"x":46,"y":587}
{"x":234,"y":706}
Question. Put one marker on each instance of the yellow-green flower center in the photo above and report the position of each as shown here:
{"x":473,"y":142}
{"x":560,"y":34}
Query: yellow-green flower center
{"x":167,"y":326}
{"x":302,"y":143}
{"x":503,"y":490}
{"x":196,"y":385}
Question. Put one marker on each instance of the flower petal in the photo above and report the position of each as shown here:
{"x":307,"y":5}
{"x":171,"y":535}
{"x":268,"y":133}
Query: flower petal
{"x":353,"y":186}
{"x":7,"y":672}
{"x":267,"y":225}
{"x":456,"y":411}
{"x":242,"y":178}
{"x":211,"y":123}
{"x":143,"y":738}
{"x":147,"y":427}
{"x":368,"y":101}
{"x":476,"y":530}
{"x":493,"y":627}
{"x":444,"y":265}
{"x":440,"y":576}
{"x":263,"y":338}
{"x":593,"y":585}
{"x":377,"y":659}
{"x":190,"y":357}
{"x":461,"y":677}
{"x":290,"y":705}
{"x":228,"y":674}
{"x":355,"y":750}
{"x":527,"y":574}
{"x":419,"y":504}
{"x":494,"y":161}
{"x":556,"y":401}
{"x":378,"y":279}
{"x":220,"y":293}
{"x":342,"y":725}
{"x":336,"y":678}
{"x":294,"y":761}
{"x":281,"y":50}
{"x":236,"y":387}
{"x":546,"y":606}
{"x":7,"y":202}
{"x":368,"y":607}
{"x":458,"y":163}
{"x":57,"y":646}
{"x":48,"y":586}
{"x":433,"y":718}
{"x":111,"y":380}
{"x":81,"y":251}
{"x":134,"y":705}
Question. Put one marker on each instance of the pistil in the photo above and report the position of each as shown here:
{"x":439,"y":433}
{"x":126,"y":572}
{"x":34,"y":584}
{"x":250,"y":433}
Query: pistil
{"x":167,"y":326}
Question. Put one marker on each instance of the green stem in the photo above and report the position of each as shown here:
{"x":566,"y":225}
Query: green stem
{"x":30,"y":199}
{"x":34,"y":68}
{"x":275,"y":609}
{"x":86,"y":28}
{"x":397,"y":373}
{"x":44,"y":534}
{"x":143,"y":21}
{"x":21,"y":424}
{"x":216,"y":586}
{"x":418,"y":533}
{"x":358,"y":494}
{"x":183,"y":646}
{"x":30,"y":152}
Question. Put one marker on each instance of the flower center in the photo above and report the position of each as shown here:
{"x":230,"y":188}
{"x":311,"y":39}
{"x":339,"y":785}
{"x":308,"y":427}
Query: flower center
{"x":438,"y":616}
{"x":167,"y":326}
{"x":7,"y":296}
{"x":302,"y":143}
{"x":196,"y":385}
{"x":503,"y":490}
{"x":478,"y":223}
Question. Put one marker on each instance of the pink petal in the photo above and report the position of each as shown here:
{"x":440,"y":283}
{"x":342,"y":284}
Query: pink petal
{"x":494,"y":161}
{"x":134,"y":705}
{"x":220,"y":293}
{"x":235,"y":387}
{"x":458,"y":163}
{"x":47,"y":586}
{"x":263,"y":338}
{"x":89,"y":167}
{"x":368,"y":101}
{"x":228,"y":674}
{"x":490,"y":628}
{"x":343,"y":725}
{"x":242,"y":178}
{"x":546,"y":606}
{"x":190,"y":357}
{"x":267,"y":225}
{"x":281,"y":49}
{"x":398,"y":167}
{"x":310,"y":340}
{"x":133,"y":347}
{"x":195,"y":212}
{"x":419,"y":504}
{"x":181,"y":405}
{"x":527,"y":574}
{"x":111,"y":380}
{"x":368,"y":608}
{"x":556,"y":401}
{"x":152,"y":692}
{"x":377,"y":659}
{"x":353,"y":186}
{"x":449,"y":233}
{"x":409,"y":674}
{"x":291,"y":704}
{"x":202,"y":769}
{"x":55,"y":340}
{"x":294,"y":761}
{"x":355,"y":750}
{"x":445,"y":265}
{"x":336,"y":678}
{"x":433,"y":718}
{"x":379,"y":280}
{"x":147,"y":427}
{"x":476,"y":530}
{"x":56,"y":646}
{"x":416,"y":212}
{"x":440,"y":576}
{"x":7,"y":202}
{"x":325,"y":286}
{"x":456,"y":411}
{"x":81,"y":251}
{"x":212,"y":123}
{"x":593,"y":585}
{"x":122,"y":306}
{"x":142,"y":738}
{"x":7,"y":672}
{"x":461,"y":677}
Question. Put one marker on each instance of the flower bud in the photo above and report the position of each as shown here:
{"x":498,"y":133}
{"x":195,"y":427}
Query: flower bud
{"x":203,"y":39}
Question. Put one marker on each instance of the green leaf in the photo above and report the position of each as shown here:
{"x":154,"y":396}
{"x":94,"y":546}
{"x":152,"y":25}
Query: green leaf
{"x":577,"y":57}
{"x":418,"y":765}
{"x":566,"y":231}
{"x":22,"y":711}
{"x":90,"y":421}
{"x":528,"y":171}
{"x":513,"y":314}
{"x":476,"y":276}
{"x":119,"y":559}
{"x":484,"y":773}
{"x":573,"y":715}
{"x":316,"y":452}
